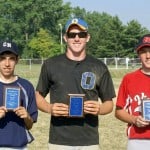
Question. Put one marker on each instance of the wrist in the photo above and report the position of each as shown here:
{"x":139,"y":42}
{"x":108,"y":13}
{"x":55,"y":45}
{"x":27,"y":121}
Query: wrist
{"x":49,"y":107}
{"x":99,"y":112}
{"x":134,"y":120}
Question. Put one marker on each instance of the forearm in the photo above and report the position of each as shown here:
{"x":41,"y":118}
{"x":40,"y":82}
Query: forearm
{"x":125,"y":116}
{"x":106,"y":107}
{"x":42,"y":104}
{"x":56,"y":109}
{"x":28,"y":122}
{"x":3,"y":111}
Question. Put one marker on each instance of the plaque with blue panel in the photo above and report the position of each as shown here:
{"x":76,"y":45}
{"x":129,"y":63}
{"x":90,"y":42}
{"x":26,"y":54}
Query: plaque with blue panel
{"x":76,"y":103}
{"x":11,"y":97}
{"x":146,"y":109}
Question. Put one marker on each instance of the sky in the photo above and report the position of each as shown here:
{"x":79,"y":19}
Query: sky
{"x":126,"y":10}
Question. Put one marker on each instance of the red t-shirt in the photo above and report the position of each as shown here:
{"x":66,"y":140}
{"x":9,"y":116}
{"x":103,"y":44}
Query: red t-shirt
{"x":134,"y":87}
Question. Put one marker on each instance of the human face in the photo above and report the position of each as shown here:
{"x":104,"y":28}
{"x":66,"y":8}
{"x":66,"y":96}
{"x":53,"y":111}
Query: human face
{"x":76,"y":40}
{"x":7,"y":65}
{"x":144,"y":55}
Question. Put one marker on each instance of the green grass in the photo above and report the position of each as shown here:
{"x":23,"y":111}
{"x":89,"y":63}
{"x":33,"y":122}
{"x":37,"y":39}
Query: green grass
{"x":112,"y":131}
{"x":26,"y":72}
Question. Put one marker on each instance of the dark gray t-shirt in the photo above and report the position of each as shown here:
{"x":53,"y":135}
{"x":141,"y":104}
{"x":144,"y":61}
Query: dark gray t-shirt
{"x":61,"y":76}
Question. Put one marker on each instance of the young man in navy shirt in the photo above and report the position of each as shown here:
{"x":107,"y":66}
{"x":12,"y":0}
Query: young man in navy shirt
{"x":18,"y":110}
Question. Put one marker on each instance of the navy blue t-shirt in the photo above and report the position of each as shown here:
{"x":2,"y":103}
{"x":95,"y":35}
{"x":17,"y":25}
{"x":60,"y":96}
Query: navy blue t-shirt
{"x":13,"y":132}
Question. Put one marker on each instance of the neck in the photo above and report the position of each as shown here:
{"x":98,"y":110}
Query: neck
{"x":8,"y":79}
{"x":76,"y":56}
{"x":147,"y":72}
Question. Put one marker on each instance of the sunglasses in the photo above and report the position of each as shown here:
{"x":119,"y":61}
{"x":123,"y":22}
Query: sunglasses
{"x":80,"y":34}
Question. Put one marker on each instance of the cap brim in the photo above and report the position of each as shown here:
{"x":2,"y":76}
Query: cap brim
{"x":80,"y":26}
{"x":3,"y":51}
{"x":142,"y":45}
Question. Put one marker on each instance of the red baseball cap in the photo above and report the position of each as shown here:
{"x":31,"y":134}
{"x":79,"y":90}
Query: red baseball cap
{"x":143,"y":42}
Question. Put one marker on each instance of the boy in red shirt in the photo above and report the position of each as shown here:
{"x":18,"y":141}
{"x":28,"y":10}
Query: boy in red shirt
{"x":134,"y":88}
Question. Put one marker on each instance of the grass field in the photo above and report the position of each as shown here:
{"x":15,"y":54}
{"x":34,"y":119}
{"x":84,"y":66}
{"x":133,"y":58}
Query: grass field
{"x":112,"y":131}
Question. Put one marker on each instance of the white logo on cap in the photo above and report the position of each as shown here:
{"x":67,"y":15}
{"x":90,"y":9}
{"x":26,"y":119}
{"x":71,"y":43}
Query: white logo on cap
{"x":75,"y":21}
{"x":5,"y":44}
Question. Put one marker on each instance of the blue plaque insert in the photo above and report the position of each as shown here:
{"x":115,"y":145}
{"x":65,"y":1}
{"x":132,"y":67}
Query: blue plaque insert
{"x":76,"y":105}
{"x":146,"y":109}
{"x":12,"y":97}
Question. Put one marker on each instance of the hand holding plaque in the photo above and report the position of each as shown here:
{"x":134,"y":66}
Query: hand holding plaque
{"x":146,"y":109}
{"x":11,"y":97}
{"x":76,"y":102}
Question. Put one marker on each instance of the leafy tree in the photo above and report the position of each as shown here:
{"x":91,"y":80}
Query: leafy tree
{"x":131,"y":34}
{"x":21,"y":20}
{"x":43,"y":46}
{"x":105,"y":35}
{"x":27,"y":21}
{"x":109,"y":37}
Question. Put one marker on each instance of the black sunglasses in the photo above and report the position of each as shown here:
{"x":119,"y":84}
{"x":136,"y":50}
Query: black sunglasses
{"x":80,"y":34}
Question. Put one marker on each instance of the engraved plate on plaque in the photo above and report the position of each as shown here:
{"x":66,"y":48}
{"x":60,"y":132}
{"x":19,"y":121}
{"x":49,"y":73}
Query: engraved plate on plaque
{"x":76,"y":103}
{"x":11,"y":97}
{"x":146,"y":109}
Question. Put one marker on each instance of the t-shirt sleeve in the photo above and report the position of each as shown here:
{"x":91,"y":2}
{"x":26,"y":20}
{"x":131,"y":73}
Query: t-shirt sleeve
{"x":122,"y":94}
{"x":43,"y":85}
{"x":106,"y":90}
{"x":32,"y":106}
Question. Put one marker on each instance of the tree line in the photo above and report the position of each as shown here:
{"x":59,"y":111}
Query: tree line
{"x":36,"y":26}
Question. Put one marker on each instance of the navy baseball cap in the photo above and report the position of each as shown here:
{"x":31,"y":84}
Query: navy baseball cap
{"x":76,"y":21}
{"x":9,"y":47}
{"x":144,"y":41}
